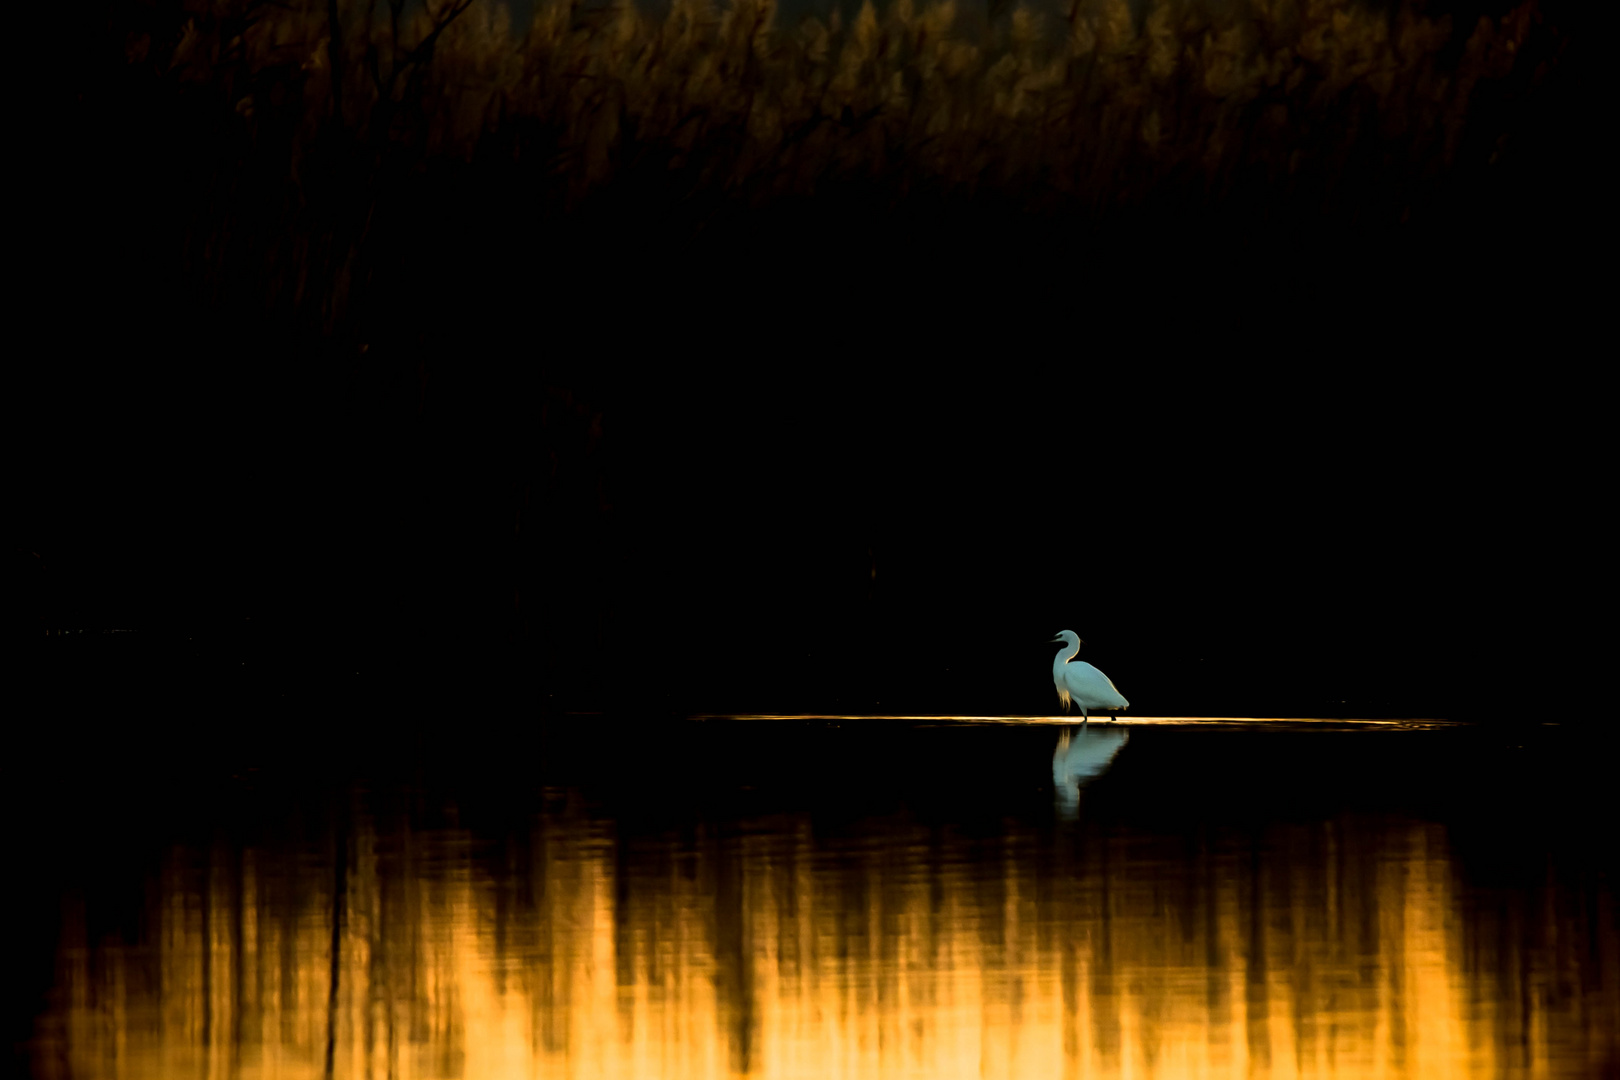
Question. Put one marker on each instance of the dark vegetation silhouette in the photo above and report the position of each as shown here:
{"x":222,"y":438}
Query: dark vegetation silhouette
{"x":330,"y":163}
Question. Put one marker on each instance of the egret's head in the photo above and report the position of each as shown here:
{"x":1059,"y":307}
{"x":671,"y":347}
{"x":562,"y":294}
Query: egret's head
{"x":1066,"y":637}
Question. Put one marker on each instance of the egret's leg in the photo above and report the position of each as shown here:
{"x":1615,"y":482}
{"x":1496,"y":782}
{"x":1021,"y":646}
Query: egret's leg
{"x":1085,"y":717}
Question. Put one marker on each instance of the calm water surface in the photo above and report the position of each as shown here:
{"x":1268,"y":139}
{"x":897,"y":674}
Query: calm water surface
{"x":804,"y":897}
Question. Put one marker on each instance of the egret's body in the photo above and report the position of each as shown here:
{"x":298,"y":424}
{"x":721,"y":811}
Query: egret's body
{"x":1078,"y":683}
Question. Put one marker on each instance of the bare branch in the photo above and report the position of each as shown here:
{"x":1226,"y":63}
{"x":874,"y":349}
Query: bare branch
{"x":441,"y":21}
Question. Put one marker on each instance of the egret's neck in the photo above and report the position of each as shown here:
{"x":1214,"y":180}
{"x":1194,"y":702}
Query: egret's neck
{"x":1063,"y":657}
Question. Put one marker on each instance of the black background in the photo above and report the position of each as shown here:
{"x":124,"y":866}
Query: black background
{"x":788,"y":535}
{"x":854,"y":461}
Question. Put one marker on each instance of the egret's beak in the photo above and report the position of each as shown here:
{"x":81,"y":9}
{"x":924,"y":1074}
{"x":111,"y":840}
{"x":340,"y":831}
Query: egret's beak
{"x":1054,"y":641}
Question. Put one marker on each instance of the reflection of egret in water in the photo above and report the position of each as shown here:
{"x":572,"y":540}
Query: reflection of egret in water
{"x":1082,"y":755}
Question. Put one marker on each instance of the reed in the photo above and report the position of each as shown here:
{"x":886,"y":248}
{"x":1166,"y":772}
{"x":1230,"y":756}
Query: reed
{"x":341,"y":133}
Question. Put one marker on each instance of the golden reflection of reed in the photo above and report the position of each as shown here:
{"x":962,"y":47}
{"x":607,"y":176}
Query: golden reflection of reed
{"x":1335,"y":950}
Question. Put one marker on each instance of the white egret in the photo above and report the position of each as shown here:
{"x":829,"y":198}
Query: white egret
{"x":1081,"y":684}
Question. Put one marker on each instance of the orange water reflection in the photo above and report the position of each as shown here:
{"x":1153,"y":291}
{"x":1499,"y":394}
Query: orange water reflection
{"x":1343,"y":948}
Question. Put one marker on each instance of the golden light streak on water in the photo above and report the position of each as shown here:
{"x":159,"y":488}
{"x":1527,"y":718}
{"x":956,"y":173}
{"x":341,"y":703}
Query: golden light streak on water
{"x":1341,"y":949}
{"x":1249,"y":723}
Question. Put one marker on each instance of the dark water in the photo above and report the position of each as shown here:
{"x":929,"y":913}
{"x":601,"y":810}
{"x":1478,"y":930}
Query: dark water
{"x":821,"y":897}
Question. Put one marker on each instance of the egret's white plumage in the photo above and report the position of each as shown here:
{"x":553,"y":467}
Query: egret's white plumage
{"x":1078,"y":683}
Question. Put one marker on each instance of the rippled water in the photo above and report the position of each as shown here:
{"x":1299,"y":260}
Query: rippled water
{"x":849,"y":897}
